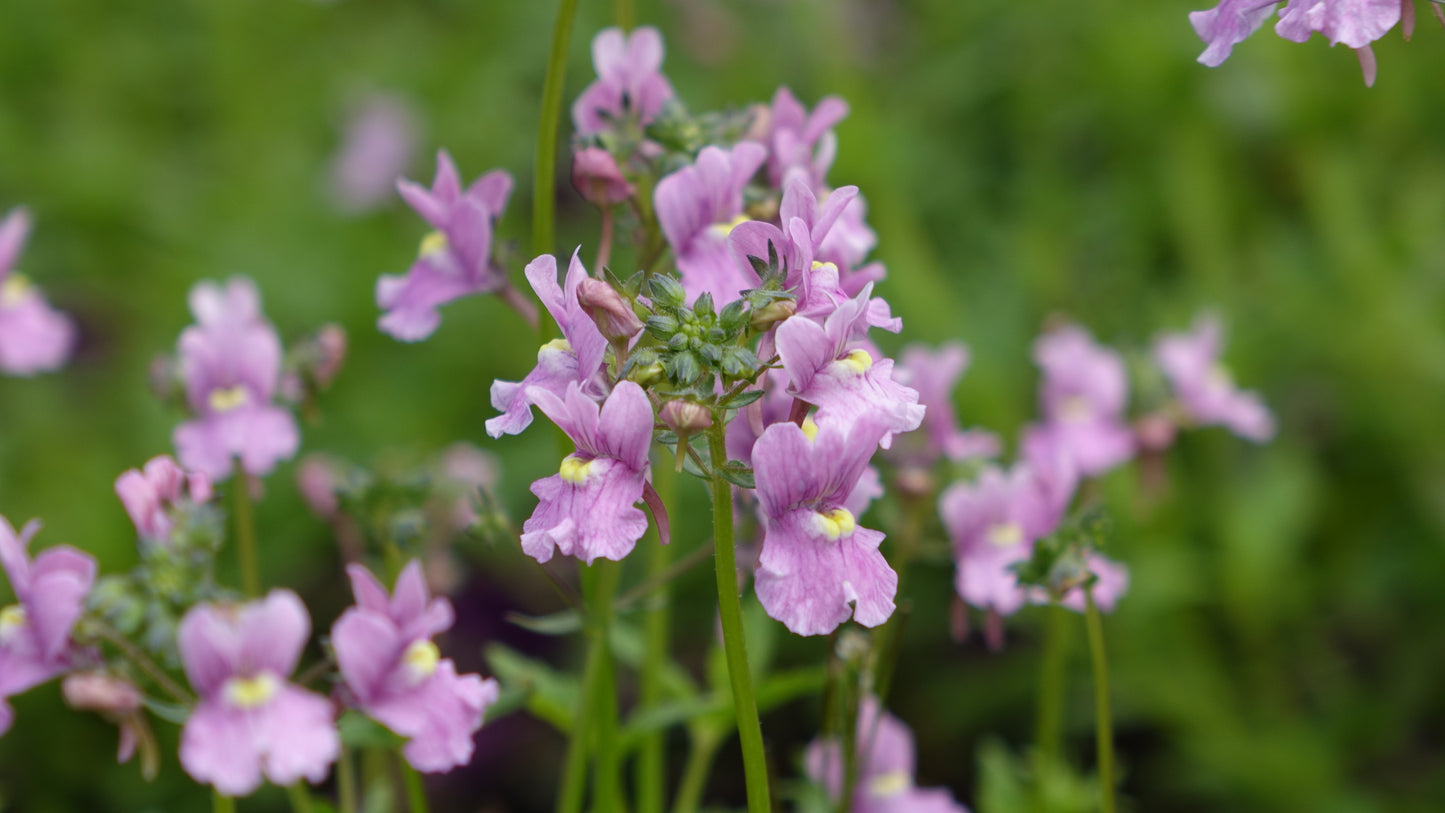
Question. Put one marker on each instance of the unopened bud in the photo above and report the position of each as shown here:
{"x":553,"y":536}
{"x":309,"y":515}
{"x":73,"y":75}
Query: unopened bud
{"x":330,"y":353}
{"x":614,"y":317}
{"x":645,"y":375}
{"x":685,"y":417}
{"x":597,"y":177}
{"x":1155,"y":432}
{"x":773,"y":313}
{"x":93,"y":691}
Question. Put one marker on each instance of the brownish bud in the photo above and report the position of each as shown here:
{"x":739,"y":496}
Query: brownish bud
{"x":614,"y":317}
{"x":685,"y":417}
{"x":93,"y":691}
{"x":773,"y":313}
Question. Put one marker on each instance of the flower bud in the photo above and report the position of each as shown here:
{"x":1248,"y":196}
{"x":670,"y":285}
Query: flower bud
{"x":614,"y":317}
{"x":645,"y":375}
{"x":685,"y":417}
{"x":597,"y":178}
{"x":773,"y":313}
{"x":330,"y":353}
{"x":1155,"y":432}
{"x":93,"y":691}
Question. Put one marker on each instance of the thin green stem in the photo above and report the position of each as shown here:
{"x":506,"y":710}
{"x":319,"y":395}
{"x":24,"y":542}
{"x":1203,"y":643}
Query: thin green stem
{"x":889,"y":640}
{"x":574,"y":767}
{"x":651,"y":759}
{"x":222,"y":804}
{"x":750,"y":731}
{"x":346,"y":781}
{"x":415,"y":791}
{"x":544,"y":204}
{"x":695,"y":773}
{"x":245,"y":531}
{"x":622,"y":13}
{"x":850,"y":738}
{"x":143,"y":661}
{"x":1103,"y":717}
{"x":607,"y":766}
{"x":1050,"y":724}
{"x":299,"y":796}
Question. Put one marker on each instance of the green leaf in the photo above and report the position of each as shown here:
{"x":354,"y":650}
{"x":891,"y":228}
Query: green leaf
{"x":359,"y":731}
{"x":741,"y":399}
{"x":738,"y":474}
{"x":563,"y":623}
{"x":551,"y":695}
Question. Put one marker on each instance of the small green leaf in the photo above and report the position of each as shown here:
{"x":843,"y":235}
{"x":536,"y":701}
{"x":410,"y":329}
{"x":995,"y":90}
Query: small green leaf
{"x":563,"y":623}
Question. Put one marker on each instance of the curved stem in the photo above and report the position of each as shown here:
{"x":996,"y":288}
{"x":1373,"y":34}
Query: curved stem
{"x":651,"y":760}
{"x":544,"y":204}
{"x":299,"y":796}
{"x":415,"y":791}
{"x":245,"y":531}
{"x":143,"y":662}
{"x":695,"y":773}
{"x":1103,"y":721}
{"x":750,"y":732}
{"x":1049,"y":731}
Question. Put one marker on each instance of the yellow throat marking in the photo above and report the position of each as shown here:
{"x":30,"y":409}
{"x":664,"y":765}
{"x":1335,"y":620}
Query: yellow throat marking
{"x":575,"y":470}
{"x":722,"y":230}
{"x":421,"y":659}
{"x":433,"y":243}
{"x":251,"y":692}
{"x":890,"y":784}
{"x":225,"y":399}
{"x":1005,"y":534}
{"x":14,"y":290}
{"x":857,"y":362}
{"x":836,"y":524}
{"x":12,"y":620}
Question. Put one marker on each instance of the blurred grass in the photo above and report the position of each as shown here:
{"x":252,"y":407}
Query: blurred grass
{"x":1283,"y":645}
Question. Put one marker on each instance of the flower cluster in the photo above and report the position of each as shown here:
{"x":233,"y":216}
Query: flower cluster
{"x":34,"y":337}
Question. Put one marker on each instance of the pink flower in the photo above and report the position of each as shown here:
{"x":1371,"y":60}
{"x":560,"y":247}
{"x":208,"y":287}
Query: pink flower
{"x":698,"y":206}
{"x":993,"y":524}
{"x":396,"y":674}
{"x":376,"y":146}
{"x":50,"y":595}
{"x":1356,"y":23}
{"x":1083,"y":397}
{"x":629,"y":80}
{"x":149,"y":496}
{"x":34,"y":337}
{"x":934,"y":374}
{"x":797,"y":139}
{"x":1203,"y":386}
{"x":249,"y":720}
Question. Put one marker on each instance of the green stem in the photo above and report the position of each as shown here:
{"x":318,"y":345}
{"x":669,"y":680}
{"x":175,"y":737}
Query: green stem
{"x":574,"y":768}
{"x":622,"y":13}
{"x":1103,"y":720}
{"x":346,"y":782}
{"x":607,"y":767}
{"x":222,"y":804}
{"x":850,"y":738}
{"x":695,"y":773}
{"x":300,"y":798}
{"x":544,"y":204}
{"x":889,"y":640}
{"x":750,"y":732}
{"x":245,"y":531}
{"x":1050,"y":726}
{"x":132,"y":652}
{"x":651,"y":760}
{"x":415,"y":792}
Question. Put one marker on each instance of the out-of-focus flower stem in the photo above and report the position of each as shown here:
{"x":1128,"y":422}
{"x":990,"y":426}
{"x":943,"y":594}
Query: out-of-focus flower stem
{"x":1049,"y":731}
{"x":544,"y":204}
{"x":415,"y":791}
{"x":245,"y":531}
{"x":604,"y":244}
{"x":651,"y":760}
{"x":142,"y":661}
{"x":346,"y":781}
{"x":695,"y":773}
{"x":607,"y":766}
{"x":1103,"y":719}
{"x":750,"y":732}
{"x":300,"y":798}
{"x":622,"y":13}
{"x":222,"y":804}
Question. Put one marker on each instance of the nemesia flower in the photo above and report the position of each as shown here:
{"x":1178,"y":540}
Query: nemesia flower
{"x":698,"y":206}
{"x":1083,"y":397}
{"x":629,"y":80}
{"x":886,"y":767}
{"x":455,"y":260}
{"x":818,"y":567}
{"x":574,"y":358}
{"x":588,"y":508}
{"x":597,"y":177}
{"x":1203,"y":386}
{"x":249,"y":720}
{"x":1356,"y":23}
{"x":34,"y":337}
{"x":934,"y":374}
{"x":468,"y":470}
{"x":119,"y":701}
{"x":797,"y":139}
{"x":397,"y":675}
{"x":829,"y":368}
{"x":377,"y":143}
{"x":50,"y":596}
{"x":231,"y":363}
{"x":1111,"y":584}
{"x":151,"y":494}
{"x":993,"y":523}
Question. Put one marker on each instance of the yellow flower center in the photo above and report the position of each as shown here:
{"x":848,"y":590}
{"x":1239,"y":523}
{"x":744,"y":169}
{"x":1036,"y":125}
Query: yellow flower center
{"x":722,"y":230}
{"x":251,"y":692}
{"x":890,"y":784}
{"x":575,"y":469}
{"x":554,"y":346}
{"x":834,"y":525}
{"x":1076,"y":409}
{"x":14,"y":290}
{"x":810,"y":428}
{"x":421,"y":660}
{"x":12,"y":620}
{"x":225,"y":399}
{"x":433,"y":243}
{"x":856,"y":362}
{"x":1005,"y":534}
{"x":818,"y":266}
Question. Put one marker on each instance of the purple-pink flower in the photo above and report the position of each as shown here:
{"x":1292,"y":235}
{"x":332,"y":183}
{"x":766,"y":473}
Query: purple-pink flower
{"x":50,"y":594}
{"x":377,"y":144}
{"x":886,"y":767}
{"x":250,"y":721}
{"x":574,"y":358}
{"x":34,"y":337}
{"x":797,"y":139}
{"x":455,"y":260}
{"x":1355,"y":23}
{"x":698,"y":206}
{"x":397,"y":675}
{"x":1110,"y":584}
{"x":818,"y":567}
{"x":993,"y":524}
{"x":151,"y":494}
{"x":629,"y":80}
{"x":1204,"y":388}
{"x":588,"y":508}
{"x":231,"y":363}
{"x":934,"y":374}
{"x":598,"y":179}
{"x":1083,"y":397}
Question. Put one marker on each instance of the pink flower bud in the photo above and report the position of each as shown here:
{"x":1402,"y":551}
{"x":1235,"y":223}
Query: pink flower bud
{"x":597,"y":177}
{"x":614,"y":317}
{"x":330,"y":353}
{"x":686,"y":417}
{"x":773,"y":313}
{"x":93,"y":691}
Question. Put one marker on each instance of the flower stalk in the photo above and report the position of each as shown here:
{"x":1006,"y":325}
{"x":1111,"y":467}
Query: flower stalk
{"x":1049,"y":730}
{"x":245,"y":531}
{"x":651,"y":761}
{"x":1103,"y":720}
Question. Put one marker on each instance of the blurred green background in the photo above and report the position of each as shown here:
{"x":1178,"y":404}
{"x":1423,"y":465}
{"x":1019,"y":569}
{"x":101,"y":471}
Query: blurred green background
{"x":1283,"y":646}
